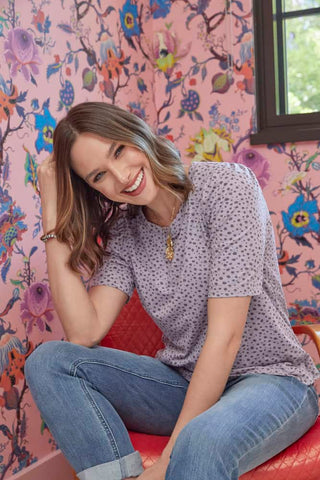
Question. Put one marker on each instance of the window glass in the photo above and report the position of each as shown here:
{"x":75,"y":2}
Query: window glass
{"x":290,"y":5}
{"x":297,"y":56}
{"x":287,"y":51}
{"x":303,"y":64}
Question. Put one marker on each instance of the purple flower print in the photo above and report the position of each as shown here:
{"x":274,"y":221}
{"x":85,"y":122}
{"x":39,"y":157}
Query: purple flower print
{"x":37,"y":307}
{"x":21,"y":52}
{"x":258,"y":164}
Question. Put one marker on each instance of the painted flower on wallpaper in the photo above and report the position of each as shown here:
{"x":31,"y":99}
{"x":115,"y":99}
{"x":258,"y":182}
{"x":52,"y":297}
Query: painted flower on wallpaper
{"x":11,"y":230}
{"x":300,"y":217}
{"x":12,"y":359}
{"x":290,"y":180}
{"x":208,"y":145}
{"x":160,"y":8}
{"x":37,"y":307}
{"x":8,"y":98}
{"x":13,"y":355}
{"x":113,"y":59}
{"x":5,"y":200}
{"x":246,"y":47}
{"x":21,"y":53}
{"x":45,"y":124}
{"x":247,"y":83}
{"x":135,"y":107}
{"x":257,"y":162}
{"x":304,"y":311}
{"x":41,"y":23}
{"x":166,"y":51}
{"x":283,"y":260}
{"x":129,"y":19}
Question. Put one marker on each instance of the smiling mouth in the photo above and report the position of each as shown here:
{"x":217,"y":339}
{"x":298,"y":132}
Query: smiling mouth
{"x":136,"y":184}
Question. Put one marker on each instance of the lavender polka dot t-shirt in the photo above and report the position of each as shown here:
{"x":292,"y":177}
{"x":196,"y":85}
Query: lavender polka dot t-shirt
{"x":224,"y":246}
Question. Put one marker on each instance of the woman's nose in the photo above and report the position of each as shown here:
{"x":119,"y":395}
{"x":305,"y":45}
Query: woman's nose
{"x":120,"y":174}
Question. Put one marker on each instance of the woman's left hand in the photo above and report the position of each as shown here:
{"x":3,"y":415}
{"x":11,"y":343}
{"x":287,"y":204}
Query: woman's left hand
{"x":156,"y":472}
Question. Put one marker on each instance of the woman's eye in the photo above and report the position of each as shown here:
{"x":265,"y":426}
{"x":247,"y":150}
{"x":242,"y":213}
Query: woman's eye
{"x":98,"y":177}
{"x":118,"y":151}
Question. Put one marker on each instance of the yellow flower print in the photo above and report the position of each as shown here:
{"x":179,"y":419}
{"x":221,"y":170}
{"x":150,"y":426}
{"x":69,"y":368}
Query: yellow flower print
{"x":209,"y":144}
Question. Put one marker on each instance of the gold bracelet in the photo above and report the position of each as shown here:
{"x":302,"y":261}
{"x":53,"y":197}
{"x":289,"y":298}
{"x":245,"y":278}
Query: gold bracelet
{"x":47,"y":237}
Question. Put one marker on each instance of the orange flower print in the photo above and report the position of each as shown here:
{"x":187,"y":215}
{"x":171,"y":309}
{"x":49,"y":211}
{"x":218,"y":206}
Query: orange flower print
{"x":7,"y":103}
{"x":112,"y":59}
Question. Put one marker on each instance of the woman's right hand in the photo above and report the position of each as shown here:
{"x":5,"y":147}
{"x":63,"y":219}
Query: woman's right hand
{"x":48,"y":192}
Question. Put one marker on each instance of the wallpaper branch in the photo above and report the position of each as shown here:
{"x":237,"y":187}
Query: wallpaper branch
{"x":185,"y":67}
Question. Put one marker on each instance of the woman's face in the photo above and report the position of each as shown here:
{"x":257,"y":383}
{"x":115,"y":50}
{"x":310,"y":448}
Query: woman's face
{"x":120,"y":172}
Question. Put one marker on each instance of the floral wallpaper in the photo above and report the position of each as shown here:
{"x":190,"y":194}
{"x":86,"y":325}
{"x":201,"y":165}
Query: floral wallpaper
{"x":185,"y":67}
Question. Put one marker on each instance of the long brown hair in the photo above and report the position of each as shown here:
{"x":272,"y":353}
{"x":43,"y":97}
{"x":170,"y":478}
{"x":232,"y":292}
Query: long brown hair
{"x":85,"y":216}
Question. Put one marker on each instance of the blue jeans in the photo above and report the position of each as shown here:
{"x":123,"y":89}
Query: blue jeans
{"x":90,"y":396}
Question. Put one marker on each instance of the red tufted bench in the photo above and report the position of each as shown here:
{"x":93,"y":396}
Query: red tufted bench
{"x":134,"y":331}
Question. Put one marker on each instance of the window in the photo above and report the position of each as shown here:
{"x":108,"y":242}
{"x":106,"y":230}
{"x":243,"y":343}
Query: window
{"x":287,"y":38}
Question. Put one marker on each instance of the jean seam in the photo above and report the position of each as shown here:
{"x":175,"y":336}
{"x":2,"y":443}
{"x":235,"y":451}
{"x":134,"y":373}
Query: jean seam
{"x":146,"y":377}
{"x":101,"y":418}
{"x":275,"y":431}
{"x":315,"y":394}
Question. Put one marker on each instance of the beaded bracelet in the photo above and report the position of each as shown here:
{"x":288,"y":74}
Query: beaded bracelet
{"x":47,"y":237}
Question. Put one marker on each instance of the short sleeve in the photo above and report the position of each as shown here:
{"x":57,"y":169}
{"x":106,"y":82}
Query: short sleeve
{"x":116,"y":270}
{"x":237,"y":217}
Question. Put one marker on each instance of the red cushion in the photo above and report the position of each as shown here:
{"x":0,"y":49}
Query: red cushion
{"x":135,"y":331}
{"x":149,"y":446}
{"x":300,"y":461}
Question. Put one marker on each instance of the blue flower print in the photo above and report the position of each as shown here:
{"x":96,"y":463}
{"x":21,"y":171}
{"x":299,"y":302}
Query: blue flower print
{"x":300,"y":219}
{"x":160,"y":8}
{"x":129,"y":19}
{"x":45,"y":124}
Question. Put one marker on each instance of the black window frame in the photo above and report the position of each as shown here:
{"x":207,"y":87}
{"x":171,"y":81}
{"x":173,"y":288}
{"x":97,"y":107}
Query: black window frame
{"x":273,"y":127}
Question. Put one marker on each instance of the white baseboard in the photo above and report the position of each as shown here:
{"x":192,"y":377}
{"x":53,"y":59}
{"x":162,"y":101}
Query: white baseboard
{"x":51,"y":467}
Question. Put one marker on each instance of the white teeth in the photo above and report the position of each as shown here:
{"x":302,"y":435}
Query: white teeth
{"x":136,"y":183}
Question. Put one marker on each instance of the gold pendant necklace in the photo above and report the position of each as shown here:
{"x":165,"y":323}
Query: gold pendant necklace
{"x":169,"y":241}
{"x":169,"y":249}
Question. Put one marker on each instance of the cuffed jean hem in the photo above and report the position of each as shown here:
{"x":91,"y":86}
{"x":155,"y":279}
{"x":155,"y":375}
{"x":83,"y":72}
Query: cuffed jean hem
{"x":128,"y":466}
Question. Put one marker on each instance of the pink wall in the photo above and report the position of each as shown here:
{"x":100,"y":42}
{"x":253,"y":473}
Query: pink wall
{"x":185,"y":67}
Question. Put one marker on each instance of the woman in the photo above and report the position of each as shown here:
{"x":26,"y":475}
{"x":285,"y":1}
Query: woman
{"x":233,"y":386}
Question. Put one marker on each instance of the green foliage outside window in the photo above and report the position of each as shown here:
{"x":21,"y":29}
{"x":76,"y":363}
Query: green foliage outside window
{"x":301,"y":37}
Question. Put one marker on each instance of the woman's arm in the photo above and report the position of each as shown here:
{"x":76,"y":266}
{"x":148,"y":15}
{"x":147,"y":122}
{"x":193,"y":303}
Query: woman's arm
{"x":86,"y":318}
{"x":226,"y":321}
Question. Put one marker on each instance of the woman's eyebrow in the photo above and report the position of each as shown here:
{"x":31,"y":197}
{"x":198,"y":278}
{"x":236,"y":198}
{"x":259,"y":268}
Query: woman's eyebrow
{"x":96,"y":170}
{"x":112,"y":147}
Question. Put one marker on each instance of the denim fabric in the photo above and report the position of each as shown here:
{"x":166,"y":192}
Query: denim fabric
{"x":257,"y":417}
{"x":90,"y":396}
